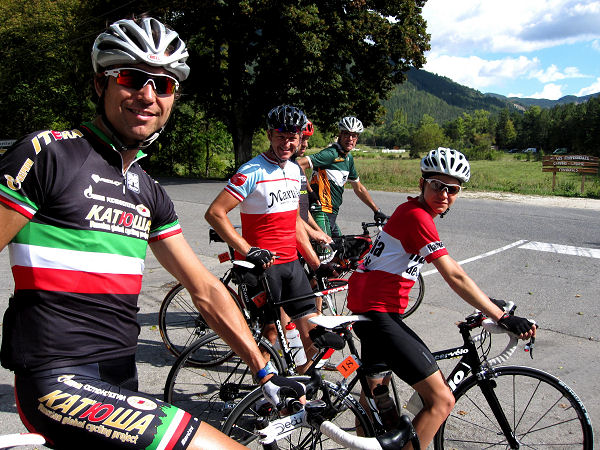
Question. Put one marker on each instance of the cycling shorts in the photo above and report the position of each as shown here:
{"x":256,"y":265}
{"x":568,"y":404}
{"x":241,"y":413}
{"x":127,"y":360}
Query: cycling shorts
{"x":388,"y":343}
{"x":87,"y":407}
{"x":287,"y":280}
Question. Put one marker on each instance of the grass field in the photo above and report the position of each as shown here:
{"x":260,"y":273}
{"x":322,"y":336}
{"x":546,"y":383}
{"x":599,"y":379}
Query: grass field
{"x":510,"y":173}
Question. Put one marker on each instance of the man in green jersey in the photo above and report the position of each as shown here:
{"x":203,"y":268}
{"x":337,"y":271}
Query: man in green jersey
{"x":332,"y":167}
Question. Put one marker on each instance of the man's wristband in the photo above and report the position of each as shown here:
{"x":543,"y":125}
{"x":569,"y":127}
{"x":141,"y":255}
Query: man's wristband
{"x":269,"y":368}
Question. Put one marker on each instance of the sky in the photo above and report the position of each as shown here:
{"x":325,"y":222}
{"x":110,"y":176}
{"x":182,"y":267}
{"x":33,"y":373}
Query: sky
{"x":517,"y":48}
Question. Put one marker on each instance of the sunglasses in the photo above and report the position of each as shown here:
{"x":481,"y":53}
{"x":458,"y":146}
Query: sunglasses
{"x":438,"y":186}
{"x":136,"y":79}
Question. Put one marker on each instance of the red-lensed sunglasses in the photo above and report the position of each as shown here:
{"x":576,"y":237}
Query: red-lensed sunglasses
{"x":136,"y":79}
{"x":439,"y":186}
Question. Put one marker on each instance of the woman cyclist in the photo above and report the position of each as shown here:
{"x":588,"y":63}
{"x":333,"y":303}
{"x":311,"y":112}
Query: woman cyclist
{"x":379,"y":289}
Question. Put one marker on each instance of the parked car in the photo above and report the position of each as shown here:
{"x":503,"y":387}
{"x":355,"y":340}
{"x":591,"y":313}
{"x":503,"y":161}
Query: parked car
{"x":530,"y":150}
{"x":513,"y":150}
{"x":560,"y":151}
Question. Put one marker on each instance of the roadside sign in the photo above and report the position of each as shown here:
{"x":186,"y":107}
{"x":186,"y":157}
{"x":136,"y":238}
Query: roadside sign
{"x":4,"y":144}
{"x":582,"y":164}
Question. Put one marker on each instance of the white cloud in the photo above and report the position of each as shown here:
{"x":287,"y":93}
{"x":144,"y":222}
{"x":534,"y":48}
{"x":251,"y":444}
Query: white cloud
{"x":511,"y":26}
{"x":551,"y":91}
{"x":552,"y":73}
{"x":591,"y":89}
{"x":477,"y":72}
{"x":596,"y":45}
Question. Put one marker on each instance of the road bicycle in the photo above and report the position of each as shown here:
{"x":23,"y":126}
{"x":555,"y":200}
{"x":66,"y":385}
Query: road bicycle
{"x":496,"y":406}
{"x":335,"y":400}
{"x":180,"y":323}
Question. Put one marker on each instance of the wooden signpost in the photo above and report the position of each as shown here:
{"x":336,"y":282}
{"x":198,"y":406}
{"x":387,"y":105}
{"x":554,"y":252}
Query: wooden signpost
{"x":582,"y":164}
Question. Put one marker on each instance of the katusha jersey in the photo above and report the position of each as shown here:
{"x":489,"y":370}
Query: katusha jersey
{"x":390,"y":269}
{"x":269,"y":196}
{"x":330,"y":173}
{"x":78,"y":263}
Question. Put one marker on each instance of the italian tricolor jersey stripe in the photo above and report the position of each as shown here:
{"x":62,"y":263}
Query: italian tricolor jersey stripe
{"x":17,"y":202}
{"x":171,"y":428}
{"x":47,"y":258}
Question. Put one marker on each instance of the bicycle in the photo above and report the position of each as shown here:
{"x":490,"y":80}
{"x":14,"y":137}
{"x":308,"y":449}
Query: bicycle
{"x":246,"y":421}
{"x":348,"y":251}
{"x":496,"y":406}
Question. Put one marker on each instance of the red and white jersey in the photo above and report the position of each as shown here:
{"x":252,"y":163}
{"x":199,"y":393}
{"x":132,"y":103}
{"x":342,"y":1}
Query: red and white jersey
{"x":269,"y":196}
{"x":384,"y":279}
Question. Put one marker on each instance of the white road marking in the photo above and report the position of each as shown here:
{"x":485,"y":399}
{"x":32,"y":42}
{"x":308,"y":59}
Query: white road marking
{"x":563,"y":249}
{"x":483,"y":255}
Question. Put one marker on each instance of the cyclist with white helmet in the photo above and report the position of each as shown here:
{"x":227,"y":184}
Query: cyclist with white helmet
{"x":332,"y":167}
{"x":379,"y":289}
{"x":267,"y":189}
{"x":78,"y":213}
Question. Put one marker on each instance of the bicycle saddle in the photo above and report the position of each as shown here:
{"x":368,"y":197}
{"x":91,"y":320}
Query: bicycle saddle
{"x":331,"y":322}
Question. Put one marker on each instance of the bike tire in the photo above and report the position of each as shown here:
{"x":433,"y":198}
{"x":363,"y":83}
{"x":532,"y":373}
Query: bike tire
{"x":346,"y":413}
{"x":415,"y":296}
{"x":180,"y":323}
{"x":209,"y":392}
{"x":543,"y":413}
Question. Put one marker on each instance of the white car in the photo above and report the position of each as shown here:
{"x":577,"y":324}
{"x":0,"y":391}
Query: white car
{"x":530,"y":150}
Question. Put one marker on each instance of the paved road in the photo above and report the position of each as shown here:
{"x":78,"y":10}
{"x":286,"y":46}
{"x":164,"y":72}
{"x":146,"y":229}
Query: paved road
{"x":544,"y":258}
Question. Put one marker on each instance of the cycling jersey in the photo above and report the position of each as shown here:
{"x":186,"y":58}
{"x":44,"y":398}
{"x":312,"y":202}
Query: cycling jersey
{"x":269,"y":205}
{"x":303,"y":201}
{"x":386,"y":275}
{"x":78,"y":262}
{"x":330,"y":173}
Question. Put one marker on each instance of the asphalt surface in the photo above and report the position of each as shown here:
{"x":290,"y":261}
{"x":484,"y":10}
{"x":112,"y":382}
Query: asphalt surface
{"x":557,"y":289}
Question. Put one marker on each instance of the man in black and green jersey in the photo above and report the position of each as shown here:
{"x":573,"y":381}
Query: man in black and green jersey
{"x":77,"y":213}
{"x":332,"y":167}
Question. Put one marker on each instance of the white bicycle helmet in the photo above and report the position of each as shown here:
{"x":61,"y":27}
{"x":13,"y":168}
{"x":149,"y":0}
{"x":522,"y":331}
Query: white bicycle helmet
{"x":446,"y":161}
{"x":144,"y":41}
{"x":350,"y":124}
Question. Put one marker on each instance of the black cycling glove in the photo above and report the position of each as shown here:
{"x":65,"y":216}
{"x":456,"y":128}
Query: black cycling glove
{"x":379,"y":216}
{"x":278,"y":388}
{"x":259,"y":256}
{"x":326,"y":270}
{"x":515,"y":324}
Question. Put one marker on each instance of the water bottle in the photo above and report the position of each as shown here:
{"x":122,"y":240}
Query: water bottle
{"x":387,"y":407}
{"x":295,"y":343}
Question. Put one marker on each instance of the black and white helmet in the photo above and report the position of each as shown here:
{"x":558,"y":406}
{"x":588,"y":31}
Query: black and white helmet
{"x":286,"y":118}
{"x":446,"y":161}
{"x":350,"y":124}
{"x":144,"y":41}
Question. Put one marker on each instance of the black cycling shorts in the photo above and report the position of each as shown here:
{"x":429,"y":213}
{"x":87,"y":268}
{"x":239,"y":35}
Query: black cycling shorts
{"x":87,"y":407}
{"x":286,"y":281}
{"x":388,"y":343}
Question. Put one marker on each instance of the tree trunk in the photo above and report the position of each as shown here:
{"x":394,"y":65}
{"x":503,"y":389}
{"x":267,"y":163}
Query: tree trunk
{"x":242,"y":145}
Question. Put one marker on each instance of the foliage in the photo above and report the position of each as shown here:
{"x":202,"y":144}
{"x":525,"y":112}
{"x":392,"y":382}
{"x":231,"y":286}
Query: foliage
{"x":427,"y":136}
{"x":45,"y":70}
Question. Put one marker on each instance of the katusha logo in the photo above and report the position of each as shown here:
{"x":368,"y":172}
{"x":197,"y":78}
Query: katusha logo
{"x":141,"y":403}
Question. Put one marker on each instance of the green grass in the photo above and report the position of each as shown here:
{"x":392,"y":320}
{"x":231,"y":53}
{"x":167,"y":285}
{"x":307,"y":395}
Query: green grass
{"x":508,"y":174}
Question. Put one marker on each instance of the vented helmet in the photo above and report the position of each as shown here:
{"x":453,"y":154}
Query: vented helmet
{"x":286,"y":118}
{"x":145,"y":41}
{"x":350,"y":124}
{"x":446,"y":161}
{"x":309,"y":129}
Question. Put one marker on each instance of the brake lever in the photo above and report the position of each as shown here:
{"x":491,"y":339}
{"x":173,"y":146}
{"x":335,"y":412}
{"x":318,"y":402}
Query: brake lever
{"x":529,"y":347}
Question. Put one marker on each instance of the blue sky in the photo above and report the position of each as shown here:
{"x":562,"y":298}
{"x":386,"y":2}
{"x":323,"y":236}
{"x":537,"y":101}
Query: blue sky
{"x":521,"y":48}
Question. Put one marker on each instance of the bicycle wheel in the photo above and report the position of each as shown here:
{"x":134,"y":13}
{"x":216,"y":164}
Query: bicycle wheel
{"x":345,"y":412}
{"x":415,"y":296}
{"x":542,"y":411}
{"x":180,"y":323}
{"x":210,"y":392}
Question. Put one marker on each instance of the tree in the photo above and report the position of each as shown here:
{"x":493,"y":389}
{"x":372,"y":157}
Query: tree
{"x":332,"y":58}
{"x":427,"y":136}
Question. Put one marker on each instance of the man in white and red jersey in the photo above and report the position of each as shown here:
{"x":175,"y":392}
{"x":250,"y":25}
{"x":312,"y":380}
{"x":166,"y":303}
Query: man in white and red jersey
{"x":267,"y":189}
{"x":379,"y":289}
{"x":78,"y":212}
